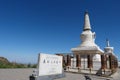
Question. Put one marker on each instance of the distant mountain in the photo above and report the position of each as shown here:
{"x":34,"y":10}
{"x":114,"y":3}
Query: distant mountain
{"x":5,"y":63}
{"x":4,"y":60}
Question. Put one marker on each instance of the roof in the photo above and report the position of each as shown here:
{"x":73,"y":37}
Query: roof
{"x":88,"y":49}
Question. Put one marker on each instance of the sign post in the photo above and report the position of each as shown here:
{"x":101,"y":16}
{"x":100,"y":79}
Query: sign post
{"x":49,"y":67}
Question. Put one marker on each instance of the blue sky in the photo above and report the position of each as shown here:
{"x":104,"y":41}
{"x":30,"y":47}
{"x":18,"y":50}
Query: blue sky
{"x":28,"y":27}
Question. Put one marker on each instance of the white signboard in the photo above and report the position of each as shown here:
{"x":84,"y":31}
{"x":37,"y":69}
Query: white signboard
{"x":49,"y":64}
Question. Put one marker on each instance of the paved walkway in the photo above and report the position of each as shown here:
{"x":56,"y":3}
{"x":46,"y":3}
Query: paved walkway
{"x":23,"y":74}
{"x":75,"y":76}
{"x":15,"y":74}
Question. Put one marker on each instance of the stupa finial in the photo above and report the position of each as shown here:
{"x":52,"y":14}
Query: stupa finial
{"x":107,"y":42}
{"x":86,"y":22}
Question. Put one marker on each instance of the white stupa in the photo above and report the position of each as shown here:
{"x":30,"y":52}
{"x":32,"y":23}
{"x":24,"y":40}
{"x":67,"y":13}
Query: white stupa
{"x":88,"y":45}
{"x":108,"y":49}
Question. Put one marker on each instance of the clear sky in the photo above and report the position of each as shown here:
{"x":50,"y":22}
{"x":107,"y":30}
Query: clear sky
{"x":28,"y":27}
